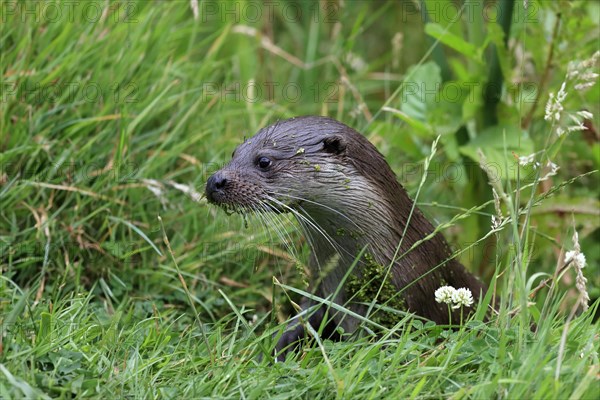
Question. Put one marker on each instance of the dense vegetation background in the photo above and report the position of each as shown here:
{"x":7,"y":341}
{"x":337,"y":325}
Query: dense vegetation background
{"x":114,"y":114}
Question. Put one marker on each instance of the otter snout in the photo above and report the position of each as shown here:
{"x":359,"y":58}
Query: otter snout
{"x":215,"y":187}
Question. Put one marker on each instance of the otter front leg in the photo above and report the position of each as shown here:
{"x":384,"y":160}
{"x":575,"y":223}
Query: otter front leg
{"x":296,"y":331}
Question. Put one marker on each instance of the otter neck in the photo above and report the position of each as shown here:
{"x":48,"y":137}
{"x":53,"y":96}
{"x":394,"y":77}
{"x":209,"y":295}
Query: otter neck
{"x":353,"y":222}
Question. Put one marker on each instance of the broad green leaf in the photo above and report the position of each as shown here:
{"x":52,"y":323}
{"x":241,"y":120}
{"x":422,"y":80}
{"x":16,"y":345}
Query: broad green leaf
{"x":420,"y":127}
{"x":442,"y":12}
{"x":451,"y":40}
{"x":500,"y":155}
{"x":445,"y":114}
{"x":420,"y":90}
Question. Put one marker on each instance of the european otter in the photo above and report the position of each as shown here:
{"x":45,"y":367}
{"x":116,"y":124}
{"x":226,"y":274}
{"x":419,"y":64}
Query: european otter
{"x":348,"y":202}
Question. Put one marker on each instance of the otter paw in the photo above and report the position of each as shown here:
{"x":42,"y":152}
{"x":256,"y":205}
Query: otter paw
{"x":289,"y":342}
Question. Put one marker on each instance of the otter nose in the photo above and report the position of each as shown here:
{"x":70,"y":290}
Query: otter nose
{"x":215,"y":184}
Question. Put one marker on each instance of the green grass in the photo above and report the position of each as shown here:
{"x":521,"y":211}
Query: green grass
{"x":94,"y":303}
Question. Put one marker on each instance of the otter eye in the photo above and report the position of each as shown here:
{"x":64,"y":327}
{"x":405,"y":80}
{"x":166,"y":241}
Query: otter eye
{"x":264,"y":162}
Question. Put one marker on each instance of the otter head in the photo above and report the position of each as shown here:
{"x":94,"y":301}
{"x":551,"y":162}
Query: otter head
{"x":331,"y":178}
{"x":315,"y":164}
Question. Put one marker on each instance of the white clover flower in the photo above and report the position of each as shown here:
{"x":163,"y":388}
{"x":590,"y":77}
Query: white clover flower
{"x":462,"y":297}
{"x":445,"y":294}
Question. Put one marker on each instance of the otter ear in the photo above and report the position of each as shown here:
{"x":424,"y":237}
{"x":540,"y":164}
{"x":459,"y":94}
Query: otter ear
{"x":334,"y":145}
